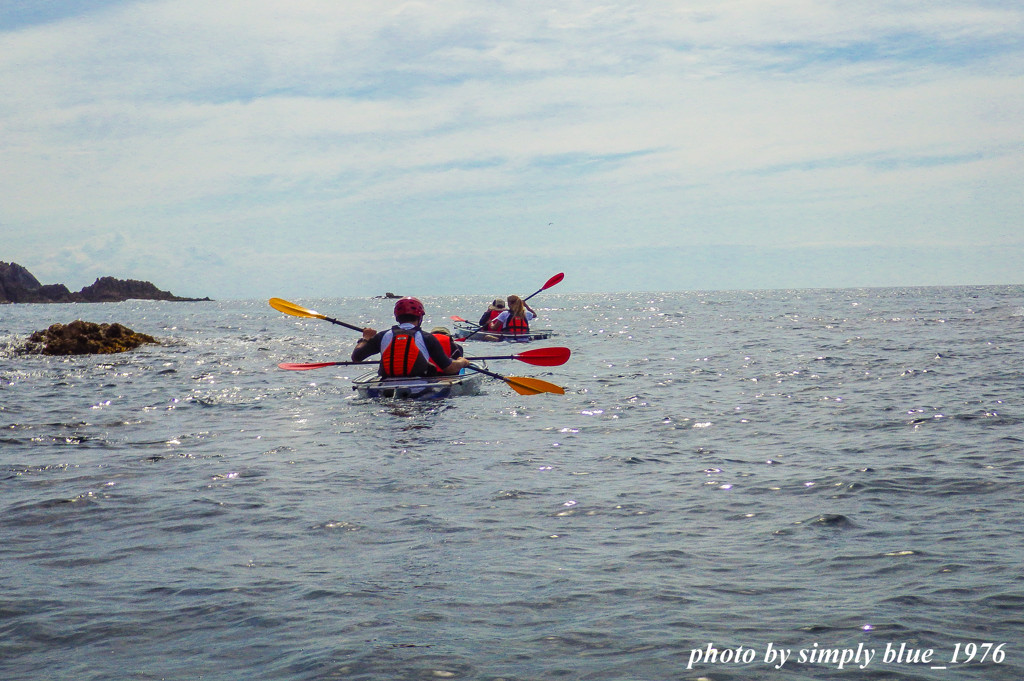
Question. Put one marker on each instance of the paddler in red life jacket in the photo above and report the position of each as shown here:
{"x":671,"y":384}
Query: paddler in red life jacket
{"x":515,"y":321}
{"x":404,"y":349}
{"x":448,"y":344}
{"x":444,"y":336}
{"x":488,"y":320}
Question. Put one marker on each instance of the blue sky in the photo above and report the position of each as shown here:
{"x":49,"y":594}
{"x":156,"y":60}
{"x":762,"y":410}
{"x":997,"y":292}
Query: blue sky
{"x":254,"y":148}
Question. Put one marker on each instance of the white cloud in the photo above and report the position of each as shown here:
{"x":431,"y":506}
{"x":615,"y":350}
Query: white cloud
{"x":732,"y":123}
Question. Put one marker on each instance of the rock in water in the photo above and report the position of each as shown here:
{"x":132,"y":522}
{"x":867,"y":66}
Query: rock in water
{"x":84,"y":338}
{"x":111,"y":290}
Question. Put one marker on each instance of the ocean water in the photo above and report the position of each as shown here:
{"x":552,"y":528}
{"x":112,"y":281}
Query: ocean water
{"x":802,"y":484}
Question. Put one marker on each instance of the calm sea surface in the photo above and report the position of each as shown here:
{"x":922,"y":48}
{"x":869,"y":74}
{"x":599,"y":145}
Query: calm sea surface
{"x":729,"y":478}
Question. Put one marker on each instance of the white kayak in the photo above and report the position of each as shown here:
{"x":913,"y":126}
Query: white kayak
{"x":465,"y":332}
{"x":372,"y":385}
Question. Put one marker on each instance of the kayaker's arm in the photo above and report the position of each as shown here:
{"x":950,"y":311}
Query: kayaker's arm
{"x":457,"y":365}
{"x":439,"y":357}
{"x":366,"y":346}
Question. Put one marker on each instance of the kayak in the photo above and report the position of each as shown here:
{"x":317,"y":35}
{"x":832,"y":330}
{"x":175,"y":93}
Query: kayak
{"x":463,"y":331}
{"x":539,"y":334}
{"x":372,"y":385}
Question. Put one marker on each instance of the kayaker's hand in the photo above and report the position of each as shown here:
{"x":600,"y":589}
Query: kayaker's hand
{"x":369,"y":333}
{"x":460,"y":363}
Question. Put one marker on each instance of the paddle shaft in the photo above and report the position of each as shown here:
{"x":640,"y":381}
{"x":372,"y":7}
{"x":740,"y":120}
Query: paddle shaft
{"x":485,"y":372}
{"x":521,"y":384}
{"x":471,"y":334}
{"x":296,"y":366}
{"x":290,"y":308}
{"x":339,"y":323}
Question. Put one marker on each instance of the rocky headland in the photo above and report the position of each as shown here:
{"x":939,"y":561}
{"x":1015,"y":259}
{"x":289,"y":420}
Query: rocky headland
{"x":17,"y":285}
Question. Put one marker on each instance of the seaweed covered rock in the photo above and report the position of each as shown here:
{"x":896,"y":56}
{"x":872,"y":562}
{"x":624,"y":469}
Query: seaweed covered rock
{"x":85,"y":338}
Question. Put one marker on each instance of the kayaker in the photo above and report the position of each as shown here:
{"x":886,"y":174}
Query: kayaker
{"x":405,"y":350}
{"x":444,"y":336}
{"x":515,"y":321}
{"x":487,"y":322}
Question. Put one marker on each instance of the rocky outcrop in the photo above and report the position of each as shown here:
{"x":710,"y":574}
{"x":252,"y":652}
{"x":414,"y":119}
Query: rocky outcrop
{"x":17,"y":285}
{"x":84,"y":338}
{"x":111,"y":290}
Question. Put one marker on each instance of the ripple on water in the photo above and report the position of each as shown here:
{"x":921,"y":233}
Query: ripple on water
{"x":737,"y":467}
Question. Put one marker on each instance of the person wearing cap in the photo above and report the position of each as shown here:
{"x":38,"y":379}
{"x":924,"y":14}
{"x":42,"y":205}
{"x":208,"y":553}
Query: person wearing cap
{"x":444,"y":335}
{"x":405,"y":350}
{"x":487,"y":323}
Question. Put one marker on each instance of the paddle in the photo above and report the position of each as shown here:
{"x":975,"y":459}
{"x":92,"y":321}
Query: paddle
{"x":542,"y":357}
{"x":551,"y":282}
{"x":299,"y":311}
{"x":294,"y":366}
{"x":548,"y":284}
{"x":545,"y":357}
{"x":521,"y":384}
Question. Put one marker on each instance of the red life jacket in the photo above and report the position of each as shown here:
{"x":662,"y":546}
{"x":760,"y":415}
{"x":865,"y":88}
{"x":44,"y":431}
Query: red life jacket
{"x":402,"y":357}
{"x":493,"y":325}
{"x":516,"y":326}
{"x":446,"y":344}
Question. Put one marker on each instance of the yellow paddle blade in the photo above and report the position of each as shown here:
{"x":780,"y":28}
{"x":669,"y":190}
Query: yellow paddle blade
{"x":532,"y":386}
{"x":295,"y":310}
